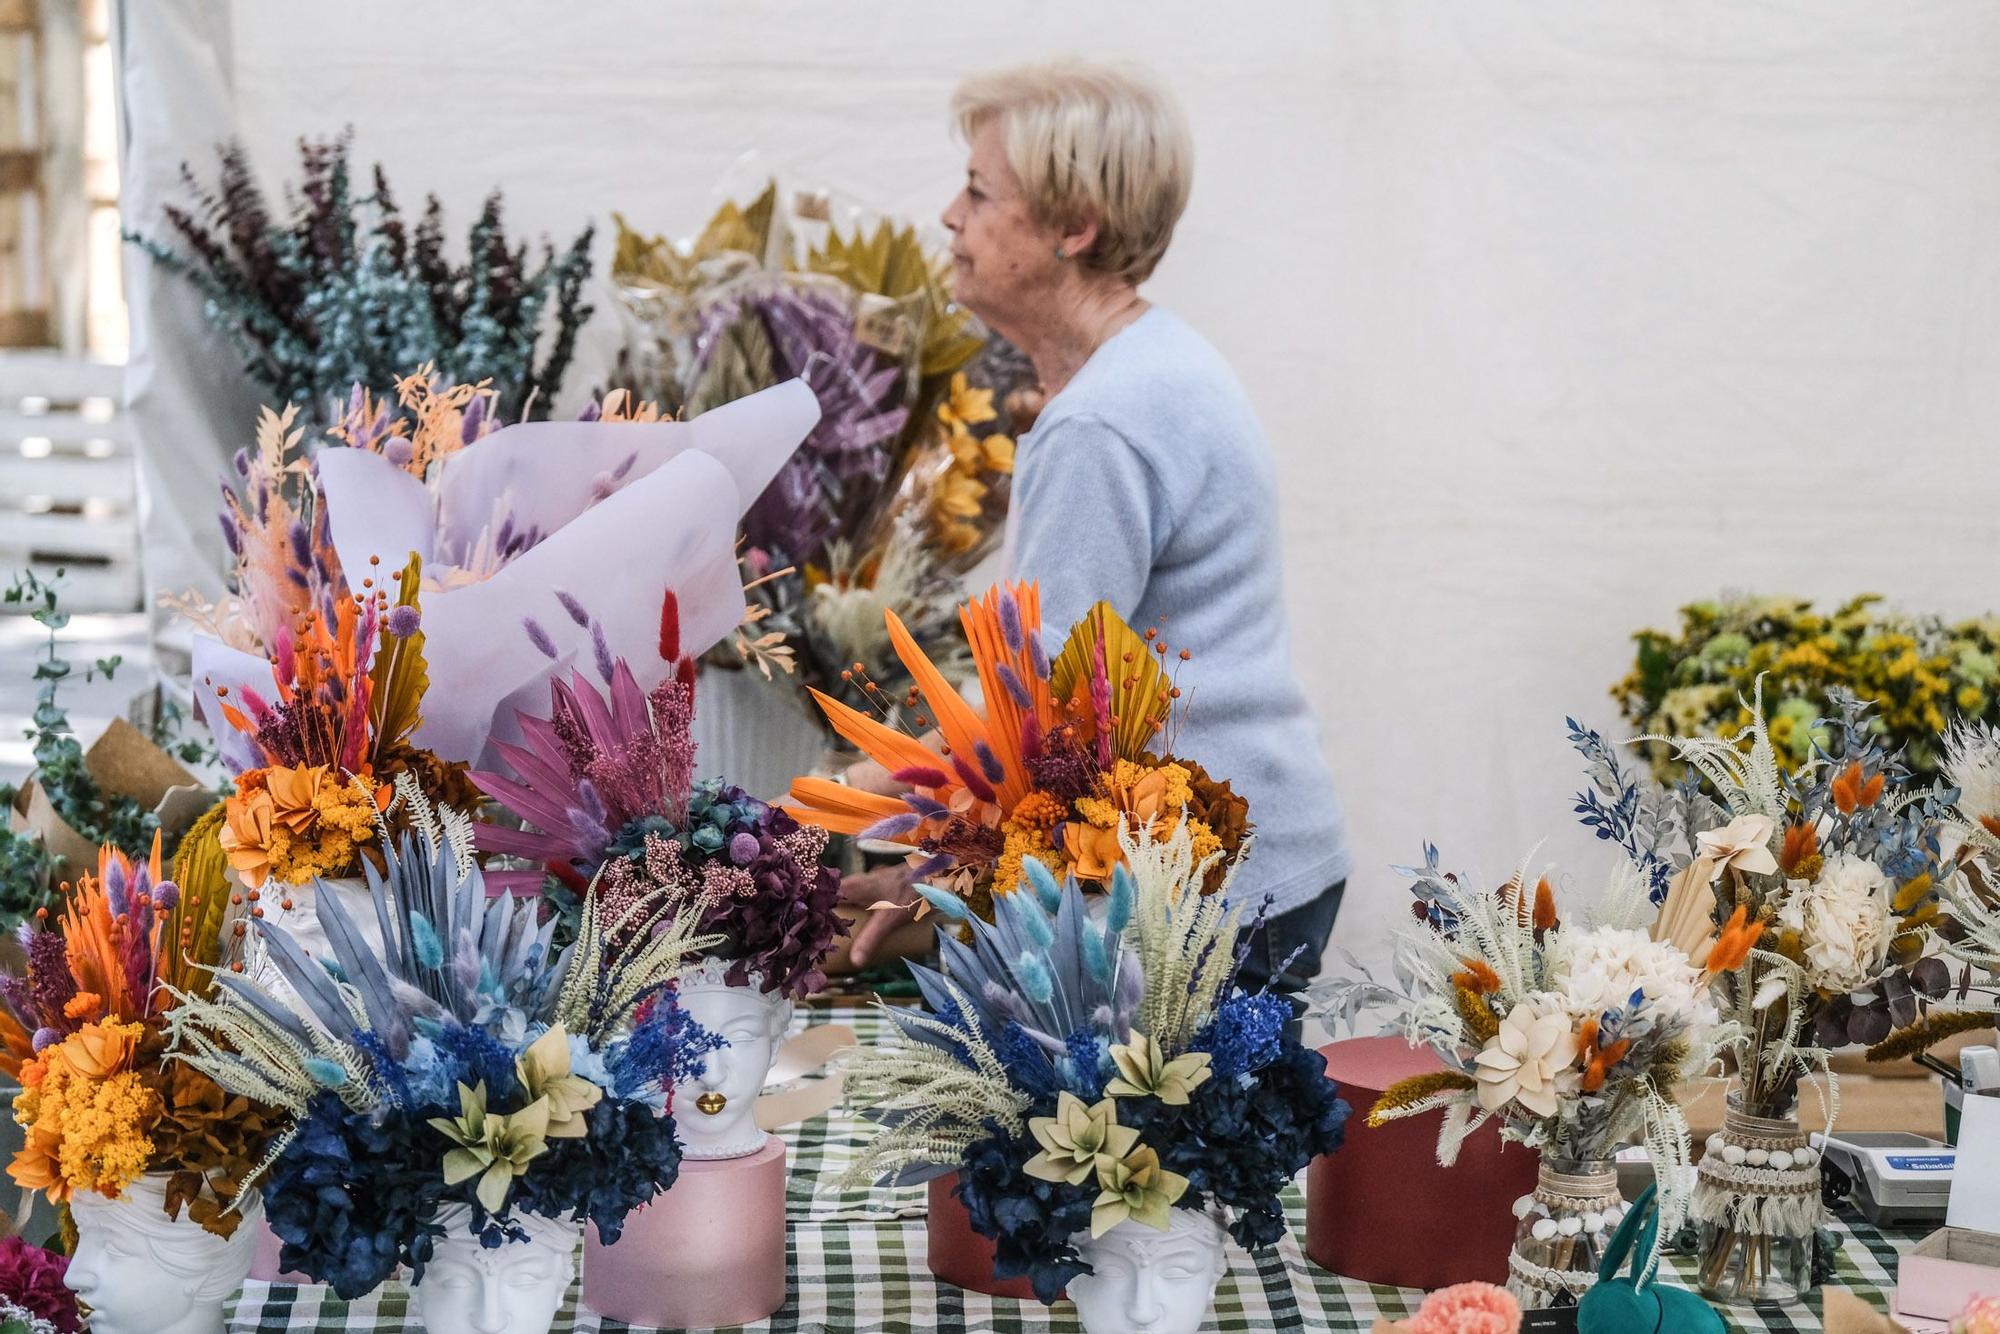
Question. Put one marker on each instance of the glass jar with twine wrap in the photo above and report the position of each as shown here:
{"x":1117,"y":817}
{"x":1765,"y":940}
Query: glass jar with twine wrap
{"x":1563,"y":1228}
{"x":1757,"y":1207}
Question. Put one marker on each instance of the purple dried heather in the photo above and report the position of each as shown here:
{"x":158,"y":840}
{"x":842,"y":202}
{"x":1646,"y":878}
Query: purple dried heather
{"x":51,"y":985}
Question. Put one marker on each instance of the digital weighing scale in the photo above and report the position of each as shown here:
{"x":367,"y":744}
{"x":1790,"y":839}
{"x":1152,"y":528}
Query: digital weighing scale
{"x":1897,"y":1177}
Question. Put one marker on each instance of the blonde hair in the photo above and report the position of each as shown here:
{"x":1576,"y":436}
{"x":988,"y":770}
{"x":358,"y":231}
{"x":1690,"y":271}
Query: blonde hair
{"x":1091,"y":139}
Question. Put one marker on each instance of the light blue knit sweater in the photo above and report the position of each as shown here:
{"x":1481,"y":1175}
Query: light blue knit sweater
{"x":1147,"y":483}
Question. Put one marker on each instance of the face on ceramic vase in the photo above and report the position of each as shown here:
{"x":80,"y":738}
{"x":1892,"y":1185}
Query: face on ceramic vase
{"x":1146,"y":1281}
{"x":716,"y":1114}
{"x":141,"y":1272}
{"x":513,"y":1288}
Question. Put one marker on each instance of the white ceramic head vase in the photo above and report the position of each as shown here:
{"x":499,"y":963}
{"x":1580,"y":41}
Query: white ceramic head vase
{"x":142,"y":1272}
{"x":513,"y":1288}
{"x":715,"y":1115}
{"x":1145,"y":1281}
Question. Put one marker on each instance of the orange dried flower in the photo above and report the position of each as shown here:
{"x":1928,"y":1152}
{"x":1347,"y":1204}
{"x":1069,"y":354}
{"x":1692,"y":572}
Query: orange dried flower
{"x":1851,"y":793}
{"x":1732,"y":948}
{"x":1477,"y":976}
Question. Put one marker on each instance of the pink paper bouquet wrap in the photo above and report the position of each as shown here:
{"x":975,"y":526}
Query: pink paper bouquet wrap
{"x":709,"y":1252}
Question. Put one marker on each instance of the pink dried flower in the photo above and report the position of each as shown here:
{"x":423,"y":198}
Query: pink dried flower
{"x":1468,"y":1308}
{"x":1980,"y":1316}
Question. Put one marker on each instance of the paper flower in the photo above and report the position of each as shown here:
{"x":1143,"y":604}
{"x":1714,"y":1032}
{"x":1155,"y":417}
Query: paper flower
{"x":495,"y":1148}
{"x":544,"y":1069}
{"x":1075,"y":1138}
{"x":1844,"y":923}
{"x":1135,"y":1187}
{"x":1529,"y":1060}
{"x":1744,"y":844}
{"x":1466,"y":1308}
{"x":1144,"y":1071}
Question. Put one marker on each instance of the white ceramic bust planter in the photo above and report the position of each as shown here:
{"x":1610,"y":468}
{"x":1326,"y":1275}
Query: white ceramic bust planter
{"x":715,"y":1114}
{"x":1145,"y":1281}
{"x":513,"y":1288}
{"x":142,"y":1272}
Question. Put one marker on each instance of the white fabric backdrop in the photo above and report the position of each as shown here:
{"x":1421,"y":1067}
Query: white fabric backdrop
{"x":1559,"y":313}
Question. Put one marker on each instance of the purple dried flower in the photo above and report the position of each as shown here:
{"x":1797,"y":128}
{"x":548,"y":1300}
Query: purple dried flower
{"x":921,"y":776}
{"x":926,"y":807}
{"x":240,"y":461}
{"x":1038,"y":657}
{"x":893,"y":826}
{"x":1010,"y":620}
{"x":404,"y":621}
{"x":45,"y":1037}
{"x":592,"y":411}
{"x":974,"y":781}
{"x":602,"y":648}
{"x":573,"y":607}
{"x":167,"y":896}
{"x":539,"y":637}
{"x":742,"y":848}
{"x":618,"y":473}
{"x":475,"y":418}
{"x":989,"y":763}
{"x":398,"y":450}
{"x":301,"y":544}
{"x":229,"y":532}
{"x":1010,"y":681}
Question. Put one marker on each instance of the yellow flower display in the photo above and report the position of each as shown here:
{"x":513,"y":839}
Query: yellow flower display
{"x":88,"y":1117}
{"x":1920,"y":674}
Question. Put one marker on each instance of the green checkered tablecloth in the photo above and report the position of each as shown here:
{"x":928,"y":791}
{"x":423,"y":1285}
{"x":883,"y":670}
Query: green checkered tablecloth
{"x":856,"y":1263}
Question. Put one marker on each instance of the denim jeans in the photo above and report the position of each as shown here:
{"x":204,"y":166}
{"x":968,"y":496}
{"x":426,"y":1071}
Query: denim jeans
{"x":1300,"y":936}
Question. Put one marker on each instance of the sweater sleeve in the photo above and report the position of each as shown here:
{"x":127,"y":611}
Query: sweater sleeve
{"x":1090,"y":519}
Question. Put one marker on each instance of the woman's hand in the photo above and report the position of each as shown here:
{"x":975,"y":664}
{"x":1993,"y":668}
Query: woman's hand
{"x":863,"y":890}
{"x":869,"y":776}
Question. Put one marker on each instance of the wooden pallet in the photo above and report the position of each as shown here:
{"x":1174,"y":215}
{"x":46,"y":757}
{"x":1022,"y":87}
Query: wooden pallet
{"x":67,"y":483}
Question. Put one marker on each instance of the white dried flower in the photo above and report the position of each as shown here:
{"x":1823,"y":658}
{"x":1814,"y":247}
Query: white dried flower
{"x":1972,"y":765}
{"x":1844,"y":923}
{"x":1602,"y":968}
{"x":1532,"y":1060}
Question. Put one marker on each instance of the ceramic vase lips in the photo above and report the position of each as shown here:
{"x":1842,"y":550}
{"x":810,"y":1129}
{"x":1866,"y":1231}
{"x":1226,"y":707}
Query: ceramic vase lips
{"x":715,"y":1113}
{"x":142,"y":1272}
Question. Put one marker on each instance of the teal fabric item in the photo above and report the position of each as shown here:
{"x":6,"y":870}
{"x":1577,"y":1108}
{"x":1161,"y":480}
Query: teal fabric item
{"x":1637,"y":1303}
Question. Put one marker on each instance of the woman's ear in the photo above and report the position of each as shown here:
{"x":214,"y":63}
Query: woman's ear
{"x":1077,"y":238}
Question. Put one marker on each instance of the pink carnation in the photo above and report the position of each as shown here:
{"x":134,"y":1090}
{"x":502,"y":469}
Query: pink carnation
{"x":32,"y":1279}
{"x":1980,"y":1316}
{"x":1468,"y":1308}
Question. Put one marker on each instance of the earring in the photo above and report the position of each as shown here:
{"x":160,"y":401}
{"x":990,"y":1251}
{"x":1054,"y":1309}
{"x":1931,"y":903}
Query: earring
{"x":1061,"y":253}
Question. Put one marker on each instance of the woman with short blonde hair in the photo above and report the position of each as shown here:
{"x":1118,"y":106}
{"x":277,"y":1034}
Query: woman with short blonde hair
{"x":1146,"y":480}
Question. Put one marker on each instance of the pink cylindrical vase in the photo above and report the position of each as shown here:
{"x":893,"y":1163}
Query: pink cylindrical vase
{"x":708,"y":1252}
{"x":958,"y":1254}
{"x":1375,"y":1211}
{"x":264,"y":1263}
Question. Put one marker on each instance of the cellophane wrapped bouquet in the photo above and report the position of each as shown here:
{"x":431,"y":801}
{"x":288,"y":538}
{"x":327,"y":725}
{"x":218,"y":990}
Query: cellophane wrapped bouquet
{"x":902,"y":487}
{"x":447,"y":1054}
{"x":1063,"y":753}
{"x":1081,"y":1069}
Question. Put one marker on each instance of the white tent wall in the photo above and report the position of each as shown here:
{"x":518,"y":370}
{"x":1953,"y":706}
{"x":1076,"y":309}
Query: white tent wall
{"x":1559,"y":314}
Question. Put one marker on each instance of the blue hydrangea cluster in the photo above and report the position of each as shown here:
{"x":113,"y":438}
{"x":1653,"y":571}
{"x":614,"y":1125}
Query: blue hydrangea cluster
{"x":1266,"y":1110}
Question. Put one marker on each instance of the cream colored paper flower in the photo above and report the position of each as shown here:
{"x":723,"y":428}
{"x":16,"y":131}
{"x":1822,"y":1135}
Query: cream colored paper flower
{"x":545,"y":1072}
{"x":1744,"y":843}
{"x":1844,"y":923}
{"x":1075,"y":1137}
{"x":1134,"y":1186}
{"x":1143,"y":1069}
{"x":1531,"y":1060}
